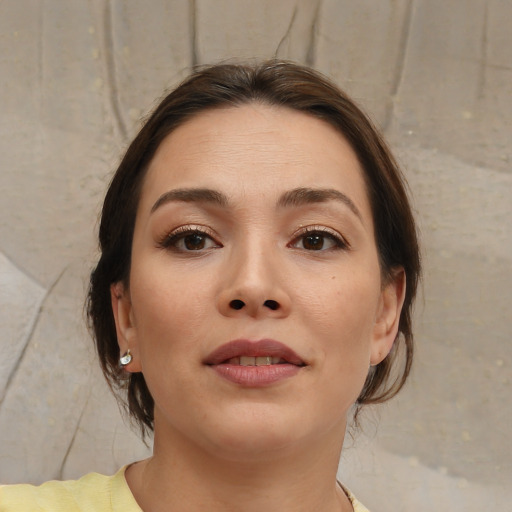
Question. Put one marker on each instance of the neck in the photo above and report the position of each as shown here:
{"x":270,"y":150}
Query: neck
{"x":181,"y":476}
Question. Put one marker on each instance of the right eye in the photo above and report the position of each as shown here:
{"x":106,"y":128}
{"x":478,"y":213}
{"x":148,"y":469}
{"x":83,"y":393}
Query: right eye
{"x":188,"y":239}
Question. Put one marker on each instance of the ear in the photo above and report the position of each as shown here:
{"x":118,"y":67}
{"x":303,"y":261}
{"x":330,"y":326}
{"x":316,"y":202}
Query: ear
{"x":388,"y":316}
{"x":125,"y":328}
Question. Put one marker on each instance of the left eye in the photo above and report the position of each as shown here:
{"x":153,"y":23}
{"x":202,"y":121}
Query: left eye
{"x":188,"y":241}
{"x":194,"y":242}
{"x":318,"y":241}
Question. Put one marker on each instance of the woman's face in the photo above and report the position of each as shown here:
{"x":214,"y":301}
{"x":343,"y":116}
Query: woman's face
{"x":255,"y":304}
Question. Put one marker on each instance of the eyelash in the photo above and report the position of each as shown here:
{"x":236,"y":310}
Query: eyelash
{"x":170,"y":241}
{"x":338,"y":241}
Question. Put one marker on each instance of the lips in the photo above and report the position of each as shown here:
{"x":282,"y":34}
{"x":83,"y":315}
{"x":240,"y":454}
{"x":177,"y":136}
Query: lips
{"x":258,"y":349}
{"x":254,"y":363}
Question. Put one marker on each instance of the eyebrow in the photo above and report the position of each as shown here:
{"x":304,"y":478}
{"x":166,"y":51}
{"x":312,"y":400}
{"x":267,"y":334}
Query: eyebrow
{"x":302,"y":196}
{"x":292,"y":198}
{"x":189,"y":195}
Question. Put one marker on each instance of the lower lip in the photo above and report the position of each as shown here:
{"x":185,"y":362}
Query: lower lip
{"x":256,"y":376}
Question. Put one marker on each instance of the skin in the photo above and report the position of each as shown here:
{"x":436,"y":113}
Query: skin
{"x":218,"y":444}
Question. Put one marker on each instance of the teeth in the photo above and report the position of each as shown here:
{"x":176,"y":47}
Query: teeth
{"x":258,"y":361}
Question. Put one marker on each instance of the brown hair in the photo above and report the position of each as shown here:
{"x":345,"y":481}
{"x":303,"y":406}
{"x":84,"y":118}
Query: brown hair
{"x":275,"y":83}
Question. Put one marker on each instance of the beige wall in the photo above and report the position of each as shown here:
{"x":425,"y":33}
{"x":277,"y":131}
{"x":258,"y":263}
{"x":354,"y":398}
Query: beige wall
{"x":436,"y":75}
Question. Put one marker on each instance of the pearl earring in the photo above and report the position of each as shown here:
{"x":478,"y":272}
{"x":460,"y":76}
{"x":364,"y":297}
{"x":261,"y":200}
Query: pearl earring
{"x":126,"y":358}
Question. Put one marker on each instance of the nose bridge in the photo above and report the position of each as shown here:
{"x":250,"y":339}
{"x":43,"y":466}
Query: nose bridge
{"x":253,"y":266}
{"x":253,"y":283}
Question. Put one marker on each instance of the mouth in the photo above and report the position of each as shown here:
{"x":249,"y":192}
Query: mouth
{"x":254,"y":353}
{"x":255,"y":363}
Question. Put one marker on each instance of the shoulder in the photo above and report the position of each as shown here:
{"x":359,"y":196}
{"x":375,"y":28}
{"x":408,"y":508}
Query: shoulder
{"x":91,"y":493}
{"x":357,"y":505}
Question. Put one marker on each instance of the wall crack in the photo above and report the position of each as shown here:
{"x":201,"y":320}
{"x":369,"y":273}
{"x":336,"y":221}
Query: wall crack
{"x":60,"y":475}
{"x":287,"y":33}
{"x":193,"y":32}
{"x":311,"y":51}
{"x":482,"y":75}
{"x":30,"y":335}
{"x":110,"y":62}
{"x":400,"y":68}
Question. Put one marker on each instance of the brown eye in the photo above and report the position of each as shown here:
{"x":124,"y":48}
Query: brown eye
{"x":318,"y":239}
{"x":194,"y":242}
{"x":313,"y":242}
{"x":189,"y":240}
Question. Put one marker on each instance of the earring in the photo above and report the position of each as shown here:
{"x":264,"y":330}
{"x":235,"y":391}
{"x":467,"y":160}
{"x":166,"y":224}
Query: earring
{"x":126,"y":358}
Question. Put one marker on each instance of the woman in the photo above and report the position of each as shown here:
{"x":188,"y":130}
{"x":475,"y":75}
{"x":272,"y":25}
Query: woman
{"x":258,"y":267}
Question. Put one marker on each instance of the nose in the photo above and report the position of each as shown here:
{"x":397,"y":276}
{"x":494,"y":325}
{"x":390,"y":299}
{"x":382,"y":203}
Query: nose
{"x":254,"y":285}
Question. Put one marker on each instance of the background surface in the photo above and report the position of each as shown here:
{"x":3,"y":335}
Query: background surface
{"x":75,"y":79}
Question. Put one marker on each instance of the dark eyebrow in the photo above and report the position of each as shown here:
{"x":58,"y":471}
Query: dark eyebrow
{"x":187,"y":195}
{"x":301,"y":196}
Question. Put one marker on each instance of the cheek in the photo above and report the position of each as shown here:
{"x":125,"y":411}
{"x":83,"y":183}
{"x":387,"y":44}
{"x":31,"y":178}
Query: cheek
{"x":339,"y":317}
{"x":343,"y":305}
{"x":169,"y":311}
{"x":342,"y":316}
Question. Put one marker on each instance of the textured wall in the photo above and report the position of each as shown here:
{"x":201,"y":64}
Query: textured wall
{"x":436,"y":75}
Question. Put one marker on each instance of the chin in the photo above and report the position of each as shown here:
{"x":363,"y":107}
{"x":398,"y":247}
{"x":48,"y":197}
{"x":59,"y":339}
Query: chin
{"x":265,"y":434}
{"x":250,"y":429}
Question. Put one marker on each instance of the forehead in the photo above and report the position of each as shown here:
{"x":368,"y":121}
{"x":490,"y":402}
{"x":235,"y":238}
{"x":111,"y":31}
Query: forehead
{"x":255,"y":148}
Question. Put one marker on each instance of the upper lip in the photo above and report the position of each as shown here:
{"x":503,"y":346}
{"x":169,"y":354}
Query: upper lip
{"x":266,"y":347}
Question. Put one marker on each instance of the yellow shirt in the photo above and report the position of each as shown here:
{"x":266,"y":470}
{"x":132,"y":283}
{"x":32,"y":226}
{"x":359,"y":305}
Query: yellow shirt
{"x":91,"y":493}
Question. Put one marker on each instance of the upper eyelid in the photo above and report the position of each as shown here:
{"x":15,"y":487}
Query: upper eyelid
{"x":318,"y":228}
{"x":200,"y":228}
{"x":321,"y":229}
{"x":187,"y":228}
{"x":192,"y":228}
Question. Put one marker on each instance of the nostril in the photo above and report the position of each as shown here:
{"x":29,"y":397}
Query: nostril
{"x":236,"y":304}
{"x":271,"y":304}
